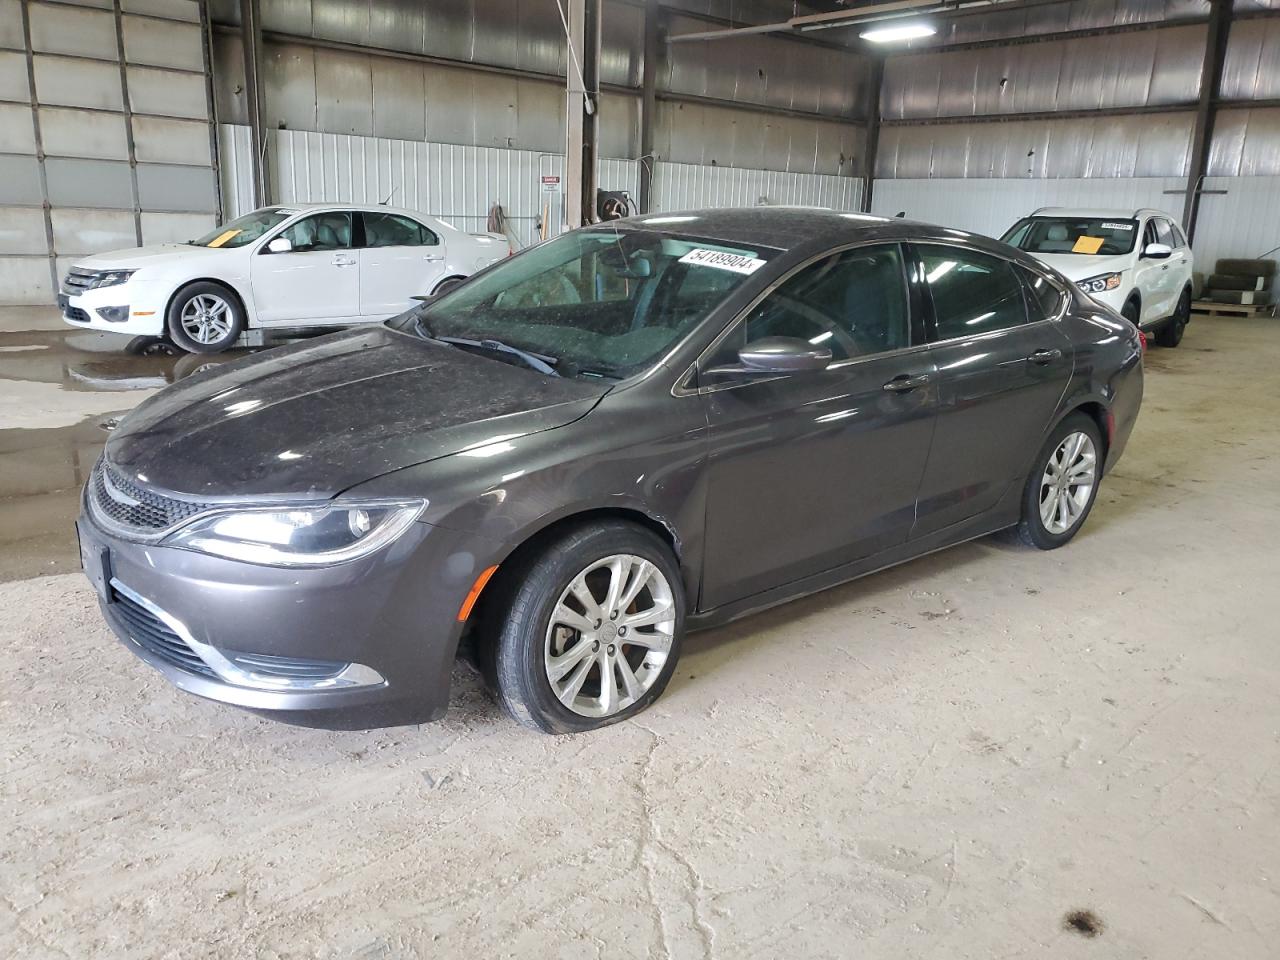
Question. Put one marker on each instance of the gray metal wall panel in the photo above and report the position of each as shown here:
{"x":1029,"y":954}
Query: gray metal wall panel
{"x":289,"y":78}
{"x":66,"y":132}
{"x":1251,"y":70}
{"x":397,"y":25}
{"x":344,"y":92}
{"x":188,"y":10}
{"x":158,"y":140}
{"x":228,"y":72}
{"x":90,"y":231}
{"x":11,"y":25}
{"x":175,"y":227}
{"x":17,"y":135}
{"x":72,"y":82}
{"x":180,"y":188}
{"x":19,"y":179}
{"x":13,"y":76}
{"x":89,"y":183}
{"x":1059,"y":17}
{"x":159,"y":44}
{"x":283,"y":16}
{"x":540,"y":120}
{"x":619,"y":125}
{"x":1157,"y":67}
{"x":399,"y":99}
{"x":167,"y":92}
{"x":81,"y":32}
{"x":22,"y":232}
{"x":621,"y":44}
{"x":340,"y":20}
{"x":24,"y":280}
{"x":1114,"y":146}
{"x":1246,"y":143}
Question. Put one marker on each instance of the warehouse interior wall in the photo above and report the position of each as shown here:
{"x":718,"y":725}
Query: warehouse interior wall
{"x":106,"y":133}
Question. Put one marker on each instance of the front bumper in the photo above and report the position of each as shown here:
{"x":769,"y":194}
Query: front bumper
{"x":134,"y":308}
{"x":391,"y":616}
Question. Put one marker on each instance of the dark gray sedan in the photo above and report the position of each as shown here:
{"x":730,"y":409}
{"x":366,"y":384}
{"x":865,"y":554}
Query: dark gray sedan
{"x":619,"y":435}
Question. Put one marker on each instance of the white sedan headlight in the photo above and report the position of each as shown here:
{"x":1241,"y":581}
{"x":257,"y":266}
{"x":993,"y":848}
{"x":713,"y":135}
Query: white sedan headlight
{"x":1100,"y":284}
{"x":299,"y":536}
{"x":111,"y":278}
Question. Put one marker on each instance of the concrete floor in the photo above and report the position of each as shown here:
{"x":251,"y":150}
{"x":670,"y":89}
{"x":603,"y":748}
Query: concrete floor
{"x":941,"y":761}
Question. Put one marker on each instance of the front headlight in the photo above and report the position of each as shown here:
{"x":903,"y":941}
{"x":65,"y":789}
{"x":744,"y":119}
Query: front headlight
{"x":299,"y":536}
{"x":111,"y":278}
{"x":1100,"y":284}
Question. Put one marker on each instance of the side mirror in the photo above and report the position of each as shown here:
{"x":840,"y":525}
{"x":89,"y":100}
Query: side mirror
{"x":1157,"y":251}
{"x":783,"y":355}
{"x":279,"y":245}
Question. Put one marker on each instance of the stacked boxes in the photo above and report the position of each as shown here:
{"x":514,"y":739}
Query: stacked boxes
{"x":1245,"y":282}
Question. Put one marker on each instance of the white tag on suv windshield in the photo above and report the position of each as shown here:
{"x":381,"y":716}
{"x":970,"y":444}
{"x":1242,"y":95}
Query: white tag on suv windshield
{"x":723,"y":261}
{"x":1117,"y":226}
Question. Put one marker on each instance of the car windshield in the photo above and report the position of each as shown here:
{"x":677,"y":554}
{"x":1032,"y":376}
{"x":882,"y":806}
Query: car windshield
{"x":598,"y":302}
{"x":1097,"y":236}
{"x":244,"y":229}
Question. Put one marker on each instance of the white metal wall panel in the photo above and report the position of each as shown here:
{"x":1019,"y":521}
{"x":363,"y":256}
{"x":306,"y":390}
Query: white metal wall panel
{"x":1243,"y":222}
{"x":991,"y":206}
{"x":686,"y":186}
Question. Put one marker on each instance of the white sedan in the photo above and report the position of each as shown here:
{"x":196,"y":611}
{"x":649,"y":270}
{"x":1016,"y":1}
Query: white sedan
{"x":285,"y":266}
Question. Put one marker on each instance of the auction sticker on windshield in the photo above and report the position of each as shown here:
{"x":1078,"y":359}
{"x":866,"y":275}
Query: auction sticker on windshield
{"x":723,"y":261}
{"x":1117,"y":226}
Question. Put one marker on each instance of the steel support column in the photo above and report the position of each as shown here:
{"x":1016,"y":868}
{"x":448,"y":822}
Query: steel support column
{"x":254,"y":89}
{"x":653,"y":50}
{"x":871,"y":110}
{"x":582,"y":111}
{"x":1206,"y":108}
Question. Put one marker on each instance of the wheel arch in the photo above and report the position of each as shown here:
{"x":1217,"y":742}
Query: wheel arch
{"x":448,"y":279}
{"x":535,"y":538}
{"x":1095,"y":410}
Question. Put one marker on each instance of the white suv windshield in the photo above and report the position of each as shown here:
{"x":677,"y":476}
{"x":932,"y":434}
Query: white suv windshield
{"x":1087,"y":236}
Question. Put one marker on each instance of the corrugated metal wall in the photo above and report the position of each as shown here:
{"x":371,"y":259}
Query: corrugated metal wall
{"x":113,"y":94}
{"x":460,"y":183}
{"x":983,"y":173}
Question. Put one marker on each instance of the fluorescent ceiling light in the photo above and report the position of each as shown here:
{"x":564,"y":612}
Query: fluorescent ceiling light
{"x":906,"y":31}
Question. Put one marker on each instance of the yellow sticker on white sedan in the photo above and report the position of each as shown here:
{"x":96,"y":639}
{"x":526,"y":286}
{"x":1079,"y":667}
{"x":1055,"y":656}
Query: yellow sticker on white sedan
{"x":223,"y":237}
{"x":723,"y":261}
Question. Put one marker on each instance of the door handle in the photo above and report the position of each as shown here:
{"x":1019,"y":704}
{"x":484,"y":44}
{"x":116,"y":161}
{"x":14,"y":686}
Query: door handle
{"x":1045,"y":356}
{"x":433,"y":258}
{"x":903,"y":382}
{"x":343,"y":262}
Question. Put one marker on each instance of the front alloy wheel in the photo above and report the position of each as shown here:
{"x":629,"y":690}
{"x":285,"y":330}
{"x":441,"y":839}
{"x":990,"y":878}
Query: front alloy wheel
{"x":205,"y":317}
{"x":585,"y":631}
{"x":609,"y":636}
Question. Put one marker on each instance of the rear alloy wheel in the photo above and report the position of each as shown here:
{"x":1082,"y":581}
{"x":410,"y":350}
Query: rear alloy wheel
{"x":205,"y":317}
{"x":592,"y":632}
{"x":1170,"y":335}
{"x":1063,"y":484}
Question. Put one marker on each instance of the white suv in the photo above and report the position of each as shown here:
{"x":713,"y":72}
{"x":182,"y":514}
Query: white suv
{"x":1137,"y":262}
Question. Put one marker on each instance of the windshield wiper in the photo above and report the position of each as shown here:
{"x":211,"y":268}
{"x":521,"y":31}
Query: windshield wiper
{"x":540,"y":362}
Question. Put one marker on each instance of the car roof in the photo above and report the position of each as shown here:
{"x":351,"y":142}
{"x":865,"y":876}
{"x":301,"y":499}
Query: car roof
{"x":369,"y":207}
{"x":1122,"y":213}
{"x":786,"y":228}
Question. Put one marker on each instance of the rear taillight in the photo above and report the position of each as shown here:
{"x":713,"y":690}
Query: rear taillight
{"x":1142,"y":339}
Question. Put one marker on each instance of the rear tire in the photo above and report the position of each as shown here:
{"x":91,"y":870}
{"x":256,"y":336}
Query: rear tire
{"x":205,"y":317}
{"x":1063,"y":484}
{"x":562,"y":665}
{"x":1170,"y":334}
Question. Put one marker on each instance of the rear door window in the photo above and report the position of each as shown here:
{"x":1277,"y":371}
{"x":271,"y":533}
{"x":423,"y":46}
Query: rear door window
{"x":1164,"y":232}
{"x":394,"y":230}
{"x":972,"y":292}
{"x":1044,"y":300}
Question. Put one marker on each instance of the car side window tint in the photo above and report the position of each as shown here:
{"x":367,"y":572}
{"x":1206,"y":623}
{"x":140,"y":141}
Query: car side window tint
{"x":1164,"y":233}
{"x":1044,"y":299}
{"x":1178,"y":234}
{"x":972,"y":292}
{"x":393,"y":230}
{"x":853,"y":302}
{"x":1149,"y":235}
{"x":320,"y":231}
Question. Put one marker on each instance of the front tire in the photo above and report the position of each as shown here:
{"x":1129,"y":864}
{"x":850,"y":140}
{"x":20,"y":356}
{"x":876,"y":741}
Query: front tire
{"x":205,"y":317}
{"x":589,"y":631}
{"x":1063,"y":484}
{"x":1170,"y":334}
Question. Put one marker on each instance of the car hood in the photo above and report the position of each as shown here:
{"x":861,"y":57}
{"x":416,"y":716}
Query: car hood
{"x":135,"y":258}
{"x":311,"y":420}
{"x":1077,"y":266}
